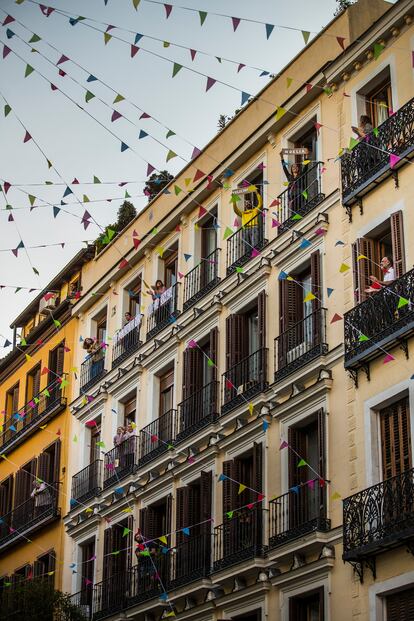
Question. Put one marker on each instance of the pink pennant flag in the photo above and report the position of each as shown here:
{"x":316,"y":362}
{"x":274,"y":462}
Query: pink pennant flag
{"x":6,"y":51}
{"x":150,"y":169}
{"x":8,"y":20}
{"x":210,"y":83}
{"x":122,"y":264}
{"x":209,"y":181}
{"x":75,"y":181}
{"x":191,"y":460}
{"x":134,"y":50}
{"x":335,"y":318}
{"x":317,"y":126}
{"x":192,"y":344}
{"x":27,"y":137}
{"x":261,"y":166}
{"x":275,"y":203}
{"x":236,"y":23}
{"x":388,"y":358}
{"x":260,"y":497}
{"x":6,"y":186}
{"x":245,"y":183}
{"x":341,"y":41}
{"x":229,"y":384}
{"x":168,"y":8}
{"x":394,"y":159}
{"x":62,"y":59}
{"x":283,"y":445}
{"x":46,"y":10}
{"x":250,"y":505}
{"x":53,"y":87}
{"x":311,"y":483}
{"x":199,"y":175}
{"x":196,"y":152}
{"x":62,"y":73}
{"x":109,"y":28}
{"x":193,"y":54}
{"x":201,"y":212}
{"x":309,"y":87}
{"x":144,"y":115}
{"x":154,"y":438}
{"x":240,"y":67}
{"x":275,"y":223}
{"x":180,"y":275}
{"x":115,"y":115}
{"x":255,"y":253}
{"x":87,"y":581}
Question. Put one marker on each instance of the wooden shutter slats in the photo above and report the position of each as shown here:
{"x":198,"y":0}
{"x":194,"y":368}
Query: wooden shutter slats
{"x":397,"y":238}
{"x":400,"y":606}
{"x":261,"y":311}
{"x":257,"y":482}
{"x":206,"y":487}
{"x":228,"y":486}
{"x":214,"y":352}
{"x":395,"y":439}
{"x":107,"y":566}
{"x":365,"y":267}
{"x":181,"y":509}
{"x":316,"y":279}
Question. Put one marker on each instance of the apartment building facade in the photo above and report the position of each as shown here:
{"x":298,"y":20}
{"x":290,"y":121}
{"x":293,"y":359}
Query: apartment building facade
{"x":267,"y":468}
{"x":34,"y":440}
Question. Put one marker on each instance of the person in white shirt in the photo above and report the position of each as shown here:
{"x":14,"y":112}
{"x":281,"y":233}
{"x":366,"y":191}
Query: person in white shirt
{"x":389,"y":276}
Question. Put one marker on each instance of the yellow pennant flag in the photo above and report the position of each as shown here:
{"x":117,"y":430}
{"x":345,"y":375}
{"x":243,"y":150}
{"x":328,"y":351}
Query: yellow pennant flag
{"x":280,"y":112}
{"x":127,"y":510}
{"x":187,"y":181}
{"x":251,"y":407}
{"x":309,"y":296}
{"x":336,"y":496}
{"x":28,"y":358}
{"x":344,"y":268}
{"x":289,"y":82}
{"x":290,"y":278}
{"x":241,"y":488}
{"x":362,"y":256}
{"x":163,"y":539}
{"x":160,"y":251}
{"x":88,"y":510}
{"x":42,"y":426}
{"x":306,"y":162}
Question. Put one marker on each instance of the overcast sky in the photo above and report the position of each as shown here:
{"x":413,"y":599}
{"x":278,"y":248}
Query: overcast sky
{"x":80,"y":147}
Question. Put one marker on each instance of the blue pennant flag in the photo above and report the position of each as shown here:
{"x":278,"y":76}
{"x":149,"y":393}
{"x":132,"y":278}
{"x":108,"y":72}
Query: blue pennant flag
{"x":91,"y":78}
{"x":142,"y":134}
{"x":269,"y":30}
{"x":186,"y":531}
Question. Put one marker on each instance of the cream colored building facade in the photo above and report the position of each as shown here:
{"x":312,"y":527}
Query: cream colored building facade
{"x":236,"y":360}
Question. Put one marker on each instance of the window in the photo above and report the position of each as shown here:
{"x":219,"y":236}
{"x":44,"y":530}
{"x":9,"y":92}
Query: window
{"x":395,"y":439}
{"x":130,"y":407}
{"x":245,"y":332}
{"x":250,"y":200}
{"x":156,"y":519}
{"x":114,"y":541}
{"x":33,"y":383}
{"x":6,"y":495}
{"x":101,"y":330}
{"x":209,"y":233}
{"x":197,"y":373}
{"x":386,"y":240}
{"x":25,"y":478}
{"x":44,"y":565}
{"x":375,"y":98}
{"x":134,"y":295}
{"x":12,"y":401}
{"x":95,"y":438}
{"x":400,"y":605}
{"x":166,"y":392}
{"x":171,"y":266}
{"x":87,"y":556}
{"x":194,"y":506}
{"x":307,"y":607}
{"x":21,"y":574}
{"x":56,"y":362}
{"x":250,"y":616}
{"x":247,"y":469}
{"x":48,"y":467}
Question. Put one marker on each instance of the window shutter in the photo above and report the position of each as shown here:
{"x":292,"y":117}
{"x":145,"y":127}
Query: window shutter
{"x":261,"y":308}
{"x":321,"y":461}
{"x":43,"y":467}
{"x":229,"y":358}
{"x":236,"y":339}
{"x":316,"y":280}
{"x":6,"y":495}
{"x":60,"y":355}
{"x":297,"y":440}
{"x":229,"y":495}
{"x":24,"y":482}
{"x":36,"y":382}
{"x":56,"y":463}
{"x":206,"y":499}
{"x":257,"y":482}
{"x":400,"y":605}
{"x":397,"y":237}
{"x":143,"y":522}
{"x":128,"y":540}
{"x":395,"y":439}
{"x":290,"y":304}
{"x":192,"y":371}
{"x":214,"y":352}
{"x":15,"y":399}
{"x":168,"y":519}
{"x":52,"y":564}
{"x":181,"y":512}
{"x":107,"y":562}
{"x":364,"y":268}
{"x":37,"y":568}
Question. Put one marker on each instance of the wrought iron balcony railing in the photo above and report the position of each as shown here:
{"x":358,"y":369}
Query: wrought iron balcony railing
{"x":379,"y":320}
{"x":379,"y":517}
{"x":301,"y":343}
{"x":155,"y":438}
{"x":303,"y":195}
{"x":31,"y":515}
{"x":197,"y":411}
{"x":293,"y":514}
{"x":245,"y":380}
{"x":163,"y":311}
{"x":239,"y":538}
{"x":201,"y":279}
{"x":41,"y":408}
{"x":83,"y":601}
{"x":87,"y":483}
{"x":244,"y":241}
{"x":126,"y":341}
{"x":92,"y":369}
{"x":109,"y":596}
{"x":120,"y":461}
{"x":369,"y":160}
{"x":191,"y":560}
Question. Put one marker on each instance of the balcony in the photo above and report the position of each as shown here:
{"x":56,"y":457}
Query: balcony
{"x":189,"y":562}
{"x":163,"y":311}
{"x":244,"y":241}
{"x":303,"y":342}
{"x":126,"y":341}
{"x":294,"y":515}
{"x":155,"y":438}
{"x":120,"y":461}
{"x":28,"y":517}
{"x":239,"y":538}
{"x":92,"y":369}
{"x":300,"y":198}
{"x":201,"y":279}
{"x":365,"y":166}
{"x":379,"y":518}
{"x":244,"y":380}
{"x":87,"y":483}
{"x":197,"y":411}
{"x":379,"y":319}
{"x":82,"y":600}
{"x":44,"y":406}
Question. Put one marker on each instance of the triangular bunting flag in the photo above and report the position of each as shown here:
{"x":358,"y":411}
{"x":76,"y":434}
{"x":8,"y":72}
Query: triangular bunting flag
{"x":203,"y":16}
{"x":241,"y":488}
{"x":336,"y":317}
{"x":176,"y":68}
{"x":210,"y":83}
{"x":305,"y":35}
{"x":269,"y":30}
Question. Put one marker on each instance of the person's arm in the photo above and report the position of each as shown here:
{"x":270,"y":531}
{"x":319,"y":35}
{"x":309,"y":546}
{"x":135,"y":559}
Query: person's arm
{"x":286,"y":170}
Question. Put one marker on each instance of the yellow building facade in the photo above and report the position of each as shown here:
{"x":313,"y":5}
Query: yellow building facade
{"x":35,"y":380}
{"x":244,"y":434}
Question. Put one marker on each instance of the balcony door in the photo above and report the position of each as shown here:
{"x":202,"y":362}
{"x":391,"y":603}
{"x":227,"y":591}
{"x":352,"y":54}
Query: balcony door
{"x":88,"y":572}
{"x":171,"y":268}
{"x":400,"y":605}
{"x":307,"y":607}
{"x":155,"y":522}
{"x":32,"y":392}
{"x":115,"y":566}
{"x":56,"y":362}
{"x":379,"y":102}
{"x":307,"y":503}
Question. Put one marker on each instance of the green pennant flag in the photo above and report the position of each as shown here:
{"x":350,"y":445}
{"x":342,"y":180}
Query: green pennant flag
{"x":170,"y":155}
{"x":36,"y":400}
{"x":327,"y":90}
{"x":227,"y":232}
{"x":127,"y":195}
{"x":96,"y":180}
{"x":28,"y":71}
{"x":154,"y":230}
{"x":235,"y":198}
{"x":46,"y":393}
{"x":89,"y":96}
{"x":32,"y":199}
{"x":203,"y":16}
{"x":176,"y":69}
{"x":35,"y":271}
{"x":210,"y":363}
{"x":126,"y":531}
{"x":7,"y":109}
{"x":144,"y":553}
{"x":57,"y":323}
{"x":35,"y":38}
{"x":378,"y":48}
{"x":305,"y":195}
{"x":136,"y":3}
{"x":166,"y":44}
{"x":362,"y":338}
{"x":230,"y":514}
{"x":110,"y":233}
{"x":107,"y":37}
{"x":116,"y":552}
{"x":375,"y":132}
{"x":177,"y":190}
{"x":100,"y":444}
{"x":302,"y":463}
{"x":85,"y":199}
{"x":297,"y":217}
{"x":305,"y":35}
{"x":118,"y":98}
{"x":170,"y":133}
{"x":402,"y":302}
{"x":23,"y":341}
{"x":239,"y":270}
{"x":353,"y":143}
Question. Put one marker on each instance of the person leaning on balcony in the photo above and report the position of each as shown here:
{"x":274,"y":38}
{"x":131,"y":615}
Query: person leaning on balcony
{"x":364,"y":128}
{"x":128,"y":318}
{"x":41,"y":496}
{"x":119,"y":436}
{"x":93,"y":348}
{"x":295,"y":187}
{"x":157,"y":290}
{"x":389,"y":275}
